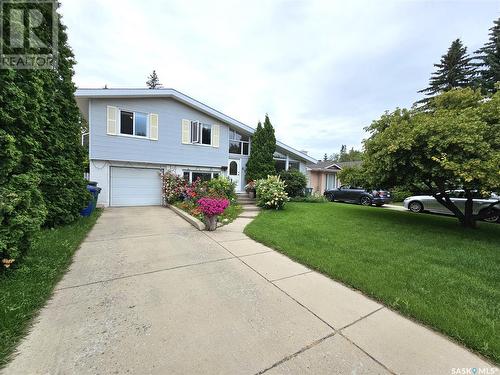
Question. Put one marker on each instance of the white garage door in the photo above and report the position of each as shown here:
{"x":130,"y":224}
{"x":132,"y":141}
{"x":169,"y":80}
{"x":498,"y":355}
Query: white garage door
{"x":135,"y":187}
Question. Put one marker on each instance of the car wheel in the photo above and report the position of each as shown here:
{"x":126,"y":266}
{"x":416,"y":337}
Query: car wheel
{"x":416,"y":206}
{"x":330,"y":197}
{"x":365,"y":201}
{"x":493,"y":219}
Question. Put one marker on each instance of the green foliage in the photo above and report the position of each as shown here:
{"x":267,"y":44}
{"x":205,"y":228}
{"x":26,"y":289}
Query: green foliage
{"x":454,"y":144}
{"x":41,"y":158}
{"x":61,"y":153}
{"x":295,"y":182}
{"x":261,"y":163}
{"x":315,"y":198}
{"x":399,"y":194}
{"x":454,"y":70}
{"x":222,"y":187}
{"x":489,"y":60}
{"x":344,"y":155}
{"x":270,"y":193}
{"x":354,"y":176}
{"x":230,"y":214}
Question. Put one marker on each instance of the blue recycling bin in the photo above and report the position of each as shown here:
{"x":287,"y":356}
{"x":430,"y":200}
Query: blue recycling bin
{"x":94,"y":190}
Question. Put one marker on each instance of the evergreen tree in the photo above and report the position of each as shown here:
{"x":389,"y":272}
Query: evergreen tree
{"x":153,"y":81}
{"x":454,"y":70}
{"x":325,"y":157}
{"x":270,"y":146}
{"x":261,"y":163}
{"x":62,"y":154}
{"x":489,"y":60}
{"x":41,"y":157}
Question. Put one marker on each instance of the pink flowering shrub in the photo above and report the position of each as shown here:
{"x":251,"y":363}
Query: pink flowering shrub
{"x":173,"y":187}
{"x":213,"y":206}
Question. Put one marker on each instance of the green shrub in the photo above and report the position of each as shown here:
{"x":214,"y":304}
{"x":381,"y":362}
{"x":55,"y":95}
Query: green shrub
{"x":295,"y":182}
{"x":399,"y":194}
{"x":315,"y":198}
{"x":271,"y":193}
{"x":222,"y":187}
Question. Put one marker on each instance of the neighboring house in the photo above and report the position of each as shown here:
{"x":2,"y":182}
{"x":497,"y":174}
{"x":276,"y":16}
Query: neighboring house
{"x":136,"y":133}
{"x":322,"y":175}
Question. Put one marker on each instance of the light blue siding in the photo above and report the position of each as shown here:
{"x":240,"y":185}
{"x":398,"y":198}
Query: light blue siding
{"x":168,"y":149}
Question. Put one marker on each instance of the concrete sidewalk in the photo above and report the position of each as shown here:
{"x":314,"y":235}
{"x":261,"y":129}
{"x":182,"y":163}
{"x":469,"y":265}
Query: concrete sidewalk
{"x":149,"y":294}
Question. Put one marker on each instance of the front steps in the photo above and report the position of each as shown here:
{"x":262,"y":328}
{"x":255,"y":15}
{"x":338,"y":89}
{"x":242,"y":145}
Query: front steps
{"x":250,"y":209}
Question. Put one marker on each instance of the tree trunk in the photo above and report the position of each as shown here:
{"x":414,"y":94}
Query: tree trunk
{"x":211,"y":222}
{"x":469,"y":220}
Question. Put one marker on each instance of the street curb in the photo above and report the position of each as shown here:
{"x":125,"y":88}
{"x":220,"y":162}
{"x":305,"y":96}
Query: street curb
{"x":190,"y":219}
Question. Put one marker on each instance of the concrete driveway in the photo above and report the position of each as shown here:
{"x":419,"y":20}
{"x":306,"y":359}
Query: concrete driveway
{"x":149,"y":294}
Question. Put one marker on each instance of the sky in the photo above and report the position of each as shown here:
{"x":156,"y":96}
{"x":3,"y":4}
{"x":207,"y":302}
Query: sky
{"x":322,"y":70}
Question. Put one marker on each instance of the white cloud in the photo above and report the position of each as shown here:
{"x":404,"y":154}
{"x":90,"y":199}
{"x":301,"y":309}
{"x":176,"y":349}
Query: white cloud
{"x":321,"y":69}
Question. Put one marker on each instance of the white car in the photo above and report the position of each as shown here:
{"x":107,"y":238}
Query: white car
{"x":420,"y":203}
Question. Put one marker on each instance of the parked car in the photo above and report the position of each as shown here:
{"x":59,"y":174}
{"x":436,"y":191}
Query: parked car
{"x":365,"y":197}
{"x":421,"y":203}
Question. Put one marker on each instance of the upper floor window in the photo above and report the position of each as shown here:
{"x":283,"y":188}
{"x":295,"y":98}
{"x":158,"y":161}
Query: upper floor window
{"x":201,"y":133}
{"x":134,"y":123}
{"x":238,"y":143}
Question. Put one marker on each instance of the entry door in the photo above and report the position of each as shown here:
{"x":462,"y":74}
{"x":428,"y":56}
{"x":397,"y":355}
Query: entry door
{"x":234,"y":172}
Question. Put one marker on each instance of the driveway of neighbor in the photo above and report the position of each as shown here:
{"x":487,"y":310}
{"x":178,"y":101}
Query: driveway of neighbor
{"x":149,"y":294}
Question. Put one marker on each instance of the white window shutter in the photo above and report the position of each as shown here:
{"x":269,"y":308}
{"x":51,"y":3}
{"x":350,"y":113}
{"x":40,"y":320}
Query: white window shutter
{"x":112,"y":114}
{"x":153,"y":126}
{"x":186,"y":131}
{"x":215,"y":135}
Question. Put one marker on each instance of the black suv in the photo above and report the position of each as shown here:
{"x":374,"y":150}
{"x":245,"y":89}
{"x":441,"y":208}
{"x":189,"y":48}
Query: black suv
{"x":358,"y":195}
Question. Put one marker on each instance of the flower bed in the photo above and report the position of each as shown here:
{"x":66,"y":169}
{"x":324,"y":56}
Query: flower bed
{"x":204,"y":200}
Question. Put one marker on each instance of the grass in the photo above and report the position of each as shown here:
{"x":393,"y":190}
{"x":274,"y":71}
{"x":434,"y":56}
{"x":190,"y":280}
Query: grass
{"x":24,"y":290}
{"x":230,"y":213}
{"x":425,"y":266}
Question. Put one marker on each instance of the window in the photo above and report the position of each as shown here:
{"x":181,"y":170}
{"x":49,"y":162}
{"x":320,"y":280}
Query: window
{"x":191,"y":176}
{"x":204,"y":176}
{"x":233,"y":168}
{"x":141,"y":124}
{"x":238,"y":143}
{"x":201,"y":133}
{"x":127,"y":122}
{"x":134,"y":123}
{"x":195,"y":132}
{"x":206,"y":134}
{"x":293,"y":165}
{"x":280,"y":165}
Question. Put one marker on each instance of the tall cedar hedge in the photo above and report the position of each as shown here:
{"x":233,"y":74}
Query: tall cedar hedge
{"x":261,"y":163}
{"x":41,"y":157}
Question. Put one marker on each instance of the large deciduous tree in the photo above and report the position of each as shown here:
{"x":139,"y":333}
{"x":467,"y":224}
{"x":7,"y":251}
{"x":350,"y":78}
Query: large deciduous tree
{"x":489,"y":60}
{"x":454,"y":70}
{"x":261,"y":163}
{"x":454,"y":144}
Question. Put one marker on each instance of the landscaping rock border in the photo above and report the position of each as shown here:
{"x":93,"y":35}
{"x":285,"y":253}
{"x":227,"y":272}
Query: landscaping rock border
{"x":190,"y":219}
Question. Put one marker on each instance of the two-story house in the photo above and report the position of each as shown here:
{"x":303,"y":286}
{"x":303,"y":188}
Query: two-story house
{"x":136,"y":133}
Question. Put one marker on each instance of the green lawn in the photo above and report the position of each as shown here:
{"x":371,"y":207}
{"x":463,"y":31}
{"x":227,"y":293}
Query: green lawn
{"x":424,"y":266}
{"x":26,"y":289}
